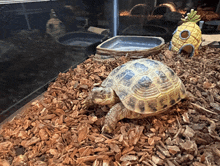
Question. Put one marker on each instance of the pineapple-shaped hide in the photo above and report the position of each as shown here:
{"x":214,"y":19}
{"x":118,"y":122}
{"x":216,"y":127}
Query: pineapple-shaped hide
{"x":187,"y":36}
{"x":54,"y":26}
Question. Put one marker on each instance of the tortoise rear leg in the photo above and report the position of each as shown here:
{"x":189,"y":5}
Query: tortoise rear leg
{"x":116,"y":113}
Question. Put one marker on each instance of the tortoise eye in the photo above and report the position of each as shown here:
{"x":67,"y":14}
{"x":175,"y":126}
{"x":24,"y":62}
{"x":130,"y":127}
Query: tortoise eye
{"x":51,"y":26}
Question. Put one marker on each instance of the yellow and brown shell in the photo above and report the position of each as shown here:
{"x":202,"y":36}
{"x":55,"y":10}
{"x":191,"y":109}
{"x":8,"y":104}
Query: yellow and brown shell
{"x":187,"y":36}
{"x":146,"y":86}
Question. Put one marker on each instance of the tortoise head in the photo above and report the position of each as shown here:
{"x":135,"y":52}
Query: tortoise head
{"x":100,"y":96}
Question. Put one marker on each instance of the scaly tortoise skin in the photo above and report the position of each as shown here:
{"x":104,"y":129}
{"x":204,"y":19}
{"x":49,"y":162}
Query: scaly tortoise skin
{"x":138,"y":88}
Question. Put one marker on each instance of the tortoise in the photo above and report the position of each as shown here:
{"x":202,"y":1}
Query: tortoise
{"x":137,"y":89}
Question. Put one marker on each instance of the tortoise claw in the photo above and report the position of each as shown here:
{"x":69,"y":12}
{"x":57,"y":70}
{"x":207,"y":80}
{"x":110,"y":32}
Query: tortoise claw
{"x":107,"y":129}
{"x":86,"y":104}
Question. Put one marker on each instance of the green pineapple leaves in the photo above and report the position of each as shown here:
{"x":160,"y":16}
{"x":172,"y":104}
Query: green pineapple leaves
{"x":192,"y":17}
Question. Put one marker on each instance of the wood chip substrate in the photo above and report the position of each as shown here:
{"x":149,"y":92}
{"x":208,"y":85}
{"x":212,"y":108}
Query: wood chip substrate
{"x":57,"y":131}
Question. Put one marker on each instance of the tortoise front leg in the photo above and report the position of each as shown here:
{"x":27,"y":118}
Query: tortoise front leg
{"x":116,"y":113}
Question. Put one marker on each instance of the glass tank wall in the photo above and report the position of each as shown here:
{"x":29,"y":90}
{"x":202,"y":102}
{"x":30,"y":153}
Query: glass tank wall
{"x":38,"y":40}
{"x":161,"y":17}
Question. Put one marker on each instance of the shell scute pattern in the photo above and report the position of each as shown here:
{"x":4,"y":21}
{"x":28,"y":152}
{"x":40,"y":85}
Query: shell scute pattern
{"x":152,"y":104}
{"x":152,"y":63}
{"x":144,"y":82}
{"x":146,"y":86}
{"x":131,"y":102}
{"x":122,"y":94}
{"x":116,"y":70}
{"x":141,"y":67}
{"x":183,"y":89}
{"x":141,"y":105}
{"x":125,"y":77}
{"x":163,"y":77}
{"x":108,"y":82}
{"x":171,"y":71}
{"x":164,"y":100}
{"x":163,"y":82}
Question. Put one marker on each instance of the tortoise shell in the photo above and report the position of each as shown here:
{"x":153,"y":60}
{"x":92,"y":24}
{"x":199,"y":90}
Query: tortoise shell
{"x":146,"y":86}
